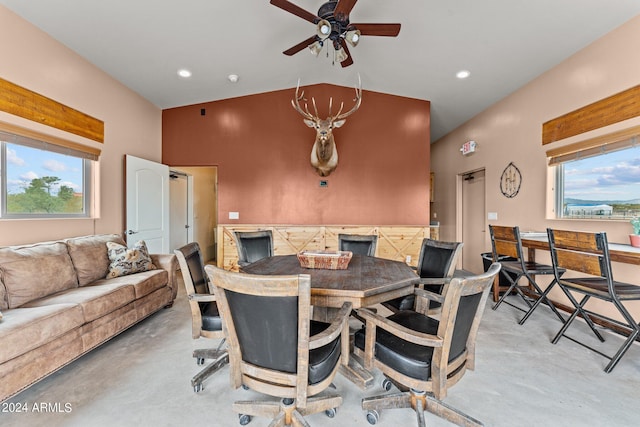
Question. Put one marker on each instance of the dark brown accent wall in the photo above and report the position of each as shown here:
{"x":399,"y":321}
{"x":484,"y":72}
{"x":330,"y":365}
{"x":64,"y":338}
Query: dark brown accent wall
{"x":261,"y":148}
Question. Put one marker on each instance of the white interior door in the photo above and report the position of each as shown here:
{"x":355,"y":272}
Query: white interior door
{"x":474,"y":228}
{"x":147,"y":203}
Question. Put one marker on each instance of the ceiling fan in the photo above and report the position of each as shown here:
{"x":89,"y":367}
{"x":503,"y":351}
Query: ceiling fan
{"x":333,"y":29}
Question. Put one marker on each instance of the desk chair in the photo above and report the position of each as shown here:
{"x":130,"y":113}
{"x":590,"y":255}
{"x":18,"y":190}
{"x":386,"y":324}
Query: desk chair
{"x":205,"y":319}
{"x":253,"y":246}
{"x":588,"y":253}
{"x":423,"y":356}
{"x":358,"y":244}
{"x":436,"y":265}
{"x":274,"y":347}
{"x":506,"y":244}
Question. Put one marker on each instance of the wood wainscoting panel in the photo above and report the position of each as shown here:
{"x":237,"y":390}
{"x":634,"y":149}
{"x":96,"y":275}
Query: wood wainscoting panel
{"x":394,"y":242}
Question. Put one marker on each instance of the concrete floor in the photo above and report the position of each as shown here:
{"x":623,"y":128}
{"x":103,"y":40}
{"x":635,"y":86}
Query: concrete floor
{"x":142,"y":378}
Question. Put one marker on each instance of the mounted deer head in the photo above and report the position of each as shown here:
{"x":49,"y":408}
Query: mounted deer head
{"x":324,"y":155}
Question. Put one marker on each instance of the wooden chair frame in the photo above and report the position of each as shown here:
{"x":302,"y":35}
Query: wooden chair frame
{"x":293,"y":388}
{"x":422,"y":305}
{"x":588,"y":253}
{"x":219,"y":355}
{"x":427,"y":395}
{"x":506,"y":241}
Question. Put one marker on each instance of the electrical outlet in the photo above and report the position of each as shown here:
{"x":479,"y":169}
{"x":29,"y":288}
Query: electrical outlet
{"x":234,"y":215}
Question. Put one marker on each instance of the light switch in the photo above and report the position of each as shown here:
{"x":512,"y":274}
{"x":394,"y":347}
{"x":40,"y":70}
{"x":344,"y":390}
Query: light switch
{"x":234,"y":215}
{"x":492,"y":216}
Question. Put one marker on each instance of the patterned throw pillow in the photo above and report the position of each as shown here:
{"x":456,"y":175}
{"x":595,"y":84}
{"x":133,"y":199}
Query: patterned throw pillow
{"x":128,"y":260}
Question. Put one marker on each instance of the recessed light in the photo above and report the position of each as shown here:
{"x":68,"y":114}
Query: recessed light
{"x":233,"y":78}
{"x":184,"y":73}
{"x":463,"y":74}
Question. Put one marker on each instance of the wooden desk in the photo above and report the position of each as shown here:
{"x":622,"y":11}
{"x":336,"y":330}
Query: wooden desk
{"x":366,"y":282}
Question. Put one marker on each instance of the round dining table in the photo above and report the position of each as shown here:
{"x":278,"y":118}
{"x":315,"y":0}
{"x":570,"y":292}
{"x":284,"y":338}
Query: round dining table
{"x":366,"y":281}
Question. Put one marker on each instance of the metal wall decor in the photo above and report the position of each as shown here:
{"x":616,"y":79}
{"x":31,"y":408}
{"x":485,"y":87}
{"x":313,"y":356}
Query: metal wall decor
{"x":510,"y":181}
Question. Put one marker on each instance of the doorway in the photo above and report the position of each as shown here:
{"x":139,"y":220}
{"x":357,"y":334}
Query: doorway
{"x":180,"y":209}
{"x":471,"y":223}
{"x":204,"y":196}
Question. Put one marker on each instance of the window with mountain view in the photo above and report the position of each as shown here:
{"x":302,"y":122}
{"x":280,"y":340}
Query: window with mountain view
{"x":43,"y":183}
{"x":600,"y":186}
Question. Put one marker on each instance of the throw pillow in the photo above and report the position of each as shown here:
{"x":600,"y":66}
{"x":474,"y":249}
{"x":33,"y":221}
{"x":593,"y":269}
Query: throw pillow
{"x":128,"y":260}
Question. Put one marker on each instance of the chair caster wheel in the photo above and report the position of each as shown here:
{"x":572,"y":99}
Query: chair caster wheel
{"x":198,"y":388}
{"x":373,"y":416}
{"x":244,"y":419}
{"x":200,"y":361}
{"x":330,"y":412}
{"x":386,"y":384}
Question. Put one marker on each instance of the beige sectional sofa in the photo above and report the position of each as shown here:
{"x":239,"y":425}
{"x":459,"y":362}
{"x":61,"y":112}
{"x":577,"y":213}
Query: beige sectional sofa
{"x":56,"y":304}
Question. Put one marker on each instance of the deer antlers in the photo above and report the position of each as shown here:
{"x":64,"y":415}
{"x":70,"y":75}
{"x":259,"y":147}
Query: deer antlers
{"x":307,"y":114}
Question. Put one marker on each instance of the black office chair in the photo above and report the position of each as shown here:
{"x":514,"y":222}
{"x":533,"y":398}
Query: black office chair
{"x":588,"y":253}
{"x":436,"y":266}
{"x":423,"y":356}
{"x":253,"y":246}
{"x":274,"y":347}
{"x":205,"y":318}
{"x":358,"y":244}
{"x":506,"y":244}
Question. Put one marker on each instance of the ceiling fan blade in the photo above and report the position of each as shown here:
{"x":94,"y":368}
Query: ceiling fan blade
{"x":300,"y":46}
{"x":349,"y":59}
{"x":296,"y":10}
{"x":387,"y":30}
{"x":343,"y":8}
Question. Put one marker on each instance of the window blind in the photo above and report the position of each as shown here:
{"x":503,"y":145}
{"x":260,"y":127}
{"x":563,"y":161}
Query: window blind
{"x":614,"y":141}
{"x":22,"y":136}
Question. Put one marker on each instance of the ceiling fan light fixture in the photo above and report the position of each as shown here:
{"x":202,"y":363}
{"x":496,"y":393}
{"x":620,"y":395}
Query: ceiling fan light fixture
{"x":352,"y":37}
{"x":316,"y":47}
{"x":323,"y":29}
{"x":340,"y":55}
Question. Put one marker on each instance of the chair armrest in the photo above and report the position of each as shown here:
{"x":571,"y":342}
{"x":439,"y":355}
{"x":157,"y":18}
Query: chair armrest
{"x":202,"y":297}
{"x":336,"y":327}
{"x":431,"y":296}
{"x":435,"y":280}
{"x":420,"y":338}
{"x":167,"y":262}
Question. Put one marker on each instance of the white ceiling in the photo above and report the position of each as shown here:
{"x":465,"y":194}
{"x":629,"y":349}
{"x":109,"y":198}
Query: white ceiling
{"x":504,"y":43}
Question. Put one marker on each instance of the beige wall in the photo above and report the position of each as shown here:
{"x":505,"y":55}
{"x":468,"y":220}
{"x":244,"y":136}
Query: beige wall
{"x":511,"y":130}
{"x":32,"y":59}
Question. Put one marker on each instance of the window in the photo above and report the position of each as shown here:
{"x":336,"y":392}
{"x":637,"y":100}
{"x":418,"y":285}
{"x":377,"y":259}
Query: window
{"x":601,"y":181}
{"x":43,"y":180}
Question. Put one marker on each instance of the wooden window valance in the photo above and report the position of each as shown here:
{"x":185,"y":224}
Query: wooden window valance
{"x":613,"y":109}
{"x":19,"y":135}
{"x":614,"y":141}
{"x":30,"y":105}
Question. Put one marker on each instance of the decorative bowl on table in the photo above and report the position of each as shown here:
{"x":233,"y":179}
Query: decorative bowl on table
{"x":328,"y":260}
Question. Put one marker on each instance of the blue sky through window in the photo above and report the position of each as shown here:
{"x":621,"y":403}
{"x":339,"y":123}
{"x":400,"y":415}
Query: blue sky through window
{"x":610,"y":177}
{"x":26,"y":163}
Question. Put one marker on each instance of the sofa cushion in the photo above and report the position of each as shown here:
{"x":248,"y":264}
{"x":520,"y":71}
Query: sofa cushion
{"x":24,"y":329}
{"x":126,"y":261}
{"x":143,"y":283}
{"x":95,"y":301}
{"x":32,"y":272}
{"x":89,"y":256}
